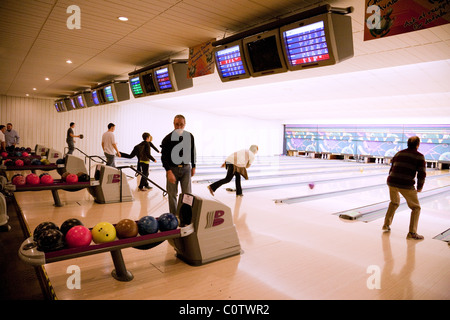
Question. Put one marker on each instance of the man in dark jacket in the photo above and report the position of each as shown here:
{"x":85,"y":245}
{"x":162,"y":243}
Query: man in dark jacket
{"x":404,"y":167}
{"x":178,"y":159}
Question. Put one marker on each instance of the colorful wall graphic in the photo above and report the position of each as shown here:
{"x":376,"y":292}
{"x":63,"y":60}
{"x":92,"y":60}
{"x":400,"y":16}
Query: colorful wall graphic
{"x":369,"y":140}
{"x":386,"y":18}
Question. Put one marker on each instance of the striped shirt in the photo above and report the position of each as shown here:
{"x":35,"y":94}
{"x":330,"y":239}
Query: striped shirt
{"x":404,"y":166}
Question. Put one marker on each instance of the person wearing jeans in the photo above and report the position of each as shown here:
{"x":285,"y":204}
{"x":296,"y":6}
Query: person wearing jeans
{"x":109,"y":145}
{"x":178,"y":159}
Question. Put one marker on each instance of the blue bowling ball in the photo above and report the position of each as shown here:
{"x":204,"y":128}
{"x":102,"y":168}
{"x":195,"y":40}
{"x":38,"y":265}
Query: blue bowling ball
{"x":147,"y":225}
{"x":167,"y":221}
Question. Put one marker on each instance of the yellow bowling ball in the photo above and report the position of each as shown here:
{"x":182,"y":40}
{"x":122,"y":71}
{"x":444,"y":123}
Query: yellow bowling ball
{"x":103,"y":232}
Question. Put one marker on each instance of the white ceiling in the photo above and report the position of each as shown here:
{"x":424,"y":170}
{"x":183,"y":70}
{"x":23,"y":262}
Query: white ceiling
{"x":398,"y":78}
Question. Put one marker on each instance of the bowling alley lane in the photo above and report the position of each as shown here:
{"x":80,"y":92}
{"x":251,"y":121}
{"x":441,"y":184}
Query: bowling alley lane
{"x":289,"y":251}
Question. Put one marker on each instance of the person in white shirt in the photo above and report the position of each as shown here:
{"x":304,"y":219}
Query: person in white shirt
{"x":11,"y":137}
{"x":236,"y":164}
{"x":109,"y":145}
{"x":2,"y":138}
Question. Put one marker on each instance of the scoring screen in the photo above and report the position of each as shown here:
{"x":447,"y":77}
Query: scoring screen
{"x":163,"y":79}
{"x":229,"y":62}
{"x":306,"y":44}
{"x":136,"y":86}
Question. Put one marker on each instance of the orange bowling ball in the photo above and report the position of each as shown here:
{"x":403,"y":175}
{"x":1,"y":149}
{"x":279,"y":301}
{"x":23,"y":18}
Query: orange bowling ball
{"x":126,"y":228}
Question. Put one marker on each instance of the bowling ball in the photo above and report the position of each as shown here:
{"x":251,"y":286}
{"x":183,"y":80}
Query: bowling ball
{"x":167,"y":221}
{"x":33,"y":179}
{"x":45,"y":162}
{"x":19,"y":163}
{"x":42,"y":227}
{"x":126,"y":228}
{"x":83,"y":177}
{"x":46,"y":179}
{"x":22,"y":149}
{"x":50,"y":240}
{"x":69,"y":223}
{"x":28,"y":150}
{"x":60,"y":161}
{"x":81,"y":136}
{"x":78,"y":236}
{"x":103,"y":232}
{"x":64,"y":175}
{"x":8,"y":163}
{"x":18,"y":154}
{"x":25,"y":154}
{"x":147,"y":225}
{"x":4,"y":154}
{"x":18,"y":180}
{"x":26,"y":161}
{"x":71,"y":178}
{"x":311,"y":185}
{"x":35,"y":162}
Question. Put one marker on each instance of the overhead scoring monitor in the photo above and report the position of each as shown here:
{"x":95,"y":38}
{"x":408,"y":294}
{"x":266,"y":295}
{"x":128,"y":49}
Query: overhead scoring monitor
{"x":109,"y":94}
{"x":136,"y":86}
{"x":163,"y":79}
{"x":322,"y":40}
{"x":230,"y":62}
{"x":264,"y":54}
{"x":172,"y":76}
{"x":149,"y":82}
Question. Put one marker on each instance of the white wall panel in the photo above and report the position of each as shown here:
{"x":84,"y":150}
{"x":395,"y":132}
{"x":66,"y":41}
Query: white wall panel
{"x":37,"y":122}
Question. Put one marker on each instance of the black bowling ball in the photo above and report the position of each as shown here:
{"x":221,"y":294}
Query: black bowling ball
{"x":50,"y":240}
{"x":68,"y":224}
{"x":42,"y":227}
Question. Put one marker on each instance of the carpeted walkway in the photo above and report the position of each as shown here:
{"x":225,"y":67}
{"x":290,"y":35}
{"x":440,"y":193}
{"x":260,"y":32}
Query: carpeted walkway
{"x":18,"y":280}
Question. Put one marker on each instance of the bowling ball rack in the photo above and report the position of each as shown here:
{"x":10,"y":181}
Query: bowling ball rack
{"x":58,"y":184}
{"x":29,"y":253}
{"x":32,"y":168}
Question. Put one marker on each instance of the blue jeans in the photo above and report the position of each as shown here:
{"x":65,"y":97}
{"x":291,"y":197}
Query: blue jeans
{"x":183,"y":176}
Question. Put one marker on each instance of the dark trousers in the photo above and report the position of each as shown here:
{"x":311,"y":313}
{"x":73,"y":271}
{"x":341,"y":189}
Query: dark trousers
{"x":71,"y":147}
{"x":143,"y":167}
{"x":228,"y":177}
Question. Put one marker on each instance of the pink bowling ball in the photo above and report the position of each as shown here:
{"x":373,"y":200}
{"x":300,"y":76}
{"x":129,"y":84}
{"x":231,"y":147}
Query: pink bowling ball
{"x":78,"y":236}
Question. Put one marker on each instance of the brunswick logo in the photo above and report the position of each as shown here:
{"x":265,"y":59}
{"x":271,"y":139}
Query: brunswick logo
{"x":213,"y":218}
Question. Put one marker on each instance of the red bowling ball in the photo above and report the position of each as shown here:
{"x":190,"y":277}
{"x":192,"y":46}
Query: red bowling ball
{"x":25,"y":154}
{"x":18,"y":180}
{"x":72,"y":178}
{"x":4,"y":154}
{"x":78,"y":236}
{"x":33,"y":179}
{"x":19,"y":163}
{"x":46,"y":179}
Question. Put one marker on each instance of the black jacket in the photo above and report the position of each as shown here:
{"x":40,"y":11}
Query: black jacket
{"x":167,"y":145}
